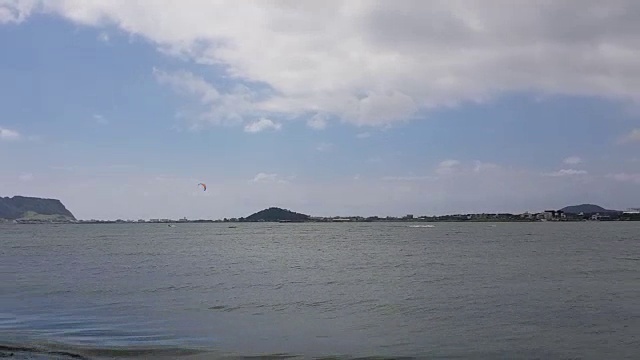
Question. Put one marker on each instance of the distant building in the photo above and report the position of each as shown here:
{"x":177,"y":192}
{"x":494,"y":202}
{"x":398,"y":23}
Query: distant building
{"x":551,"y":215}
{"x":548,"y":214}
{"x":599,"y":217}
{"x":632,"y":211}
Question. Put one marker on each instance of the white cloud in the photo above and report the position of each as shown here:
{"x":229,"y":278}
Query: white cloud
{"x":484,"y":166}
{"x":269,"y":178}
{"x":317,"y":122}
{"x":572,"y":160}
{"x":223,"y":108}
{"x":325,"y":147}
{"x":381,"y":62}
{"x":99,"y":119}
{"x":15,"y":11}
{"x":363,"y":135}
{"x":188,"y":83}
{"x":447,"y":167}
{"x":261,"y":125}
{"x":449,"y":163}
{"x":625,"y":177}
{"x":409,"y":178}
{"x":26,"y":177}
{"x":567,"y":172}
{"x":633,"y":136}
{"x":260,"y":177}
{"x":104,"y":37}
{"x":7,"y":134}
{"x":450,"y":167}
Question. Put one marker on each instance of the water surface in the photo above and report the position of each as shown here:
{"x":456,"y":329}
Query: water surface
{"x":457,"y":290}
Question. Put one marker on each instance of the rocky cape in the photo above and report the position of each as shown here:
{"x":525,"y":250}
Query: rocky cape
{"x":34,"y":209}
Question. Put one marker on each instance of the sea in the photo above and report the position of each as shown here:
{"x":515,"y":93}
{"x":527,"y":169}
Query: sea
{"x":543,"y":290}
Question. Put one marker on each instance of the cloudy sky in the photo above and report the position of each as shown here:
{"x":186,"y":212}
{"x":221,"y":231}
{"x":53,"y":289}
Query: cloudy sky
{"x":120,"y":108}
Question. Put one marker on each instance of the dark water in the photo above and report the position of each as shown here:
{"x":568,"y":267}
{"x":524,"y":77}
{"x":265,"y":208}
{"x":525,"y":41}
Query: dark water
{"x":535,"y":290}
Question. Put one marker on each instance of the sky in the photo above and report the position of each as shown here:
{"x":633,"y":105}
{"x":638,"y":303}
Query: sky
{"x":120,"y":108}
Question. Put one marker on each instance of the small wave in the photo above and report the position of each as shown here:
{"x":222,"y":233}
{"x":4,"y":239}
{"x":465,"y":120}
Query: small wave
{"x":227,"y":308}
{"x":62,"y":352}
{"x":56,"y":352}
{"x":422,"y":226}
{"x":283,"y":356}
{"x":22,"y":352}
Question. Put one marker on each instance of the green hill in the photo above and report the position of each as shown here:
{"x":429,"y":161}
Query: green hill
{"x":32,"y":208}
{"x":276,"y":214}
{"x":586,"y":209}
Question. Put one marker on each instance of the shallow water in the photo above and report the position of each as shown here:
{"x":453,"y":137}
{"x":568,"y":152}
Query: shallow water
{"x":475,"y":290}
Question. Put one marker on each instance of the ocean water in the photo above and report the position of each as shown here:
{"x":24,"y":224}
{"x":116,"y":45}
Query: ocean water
{"x":343,"y":290}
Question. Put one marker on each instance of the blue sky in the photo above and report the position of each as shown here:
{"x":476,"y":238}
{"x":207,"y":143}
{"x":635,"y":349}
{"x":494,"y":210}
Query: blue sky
{"x":119,"y":108}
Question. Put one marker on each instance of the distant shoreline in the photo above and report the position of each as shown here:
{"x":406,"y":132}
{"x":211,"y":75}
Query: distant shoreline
{"x":277,"y":215}
{"x":30,"y":210}
{"x":94,"y":222}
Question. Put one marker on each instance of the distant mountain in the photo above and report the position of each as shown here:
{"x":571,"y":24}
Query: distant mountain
{"x":586,"y":209}
{"x":276,"y":214}
{"x":22,"y":207}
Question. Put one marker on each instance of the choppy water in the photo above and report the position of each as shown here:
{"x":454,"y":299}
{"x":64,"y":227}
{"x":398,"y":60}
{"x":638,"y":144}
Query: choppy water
{"x":534,"y":290}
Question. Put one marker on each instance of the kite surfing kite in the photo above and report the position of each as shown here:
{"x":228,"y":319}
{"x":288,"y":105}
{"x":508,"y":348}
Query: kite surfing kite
{"x":204,"y":186}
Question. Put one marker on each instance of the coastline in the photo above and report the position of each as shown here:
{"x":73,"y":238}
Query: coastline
{"x":28,"y":210}
{"x":332,"y":221}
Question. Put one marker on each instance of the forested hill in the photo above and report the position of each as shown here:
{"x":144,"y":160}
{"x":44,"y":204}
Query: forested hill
{"x":586,"y":209}
{"x":276,"y":214}
{"x":18,"y":207}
